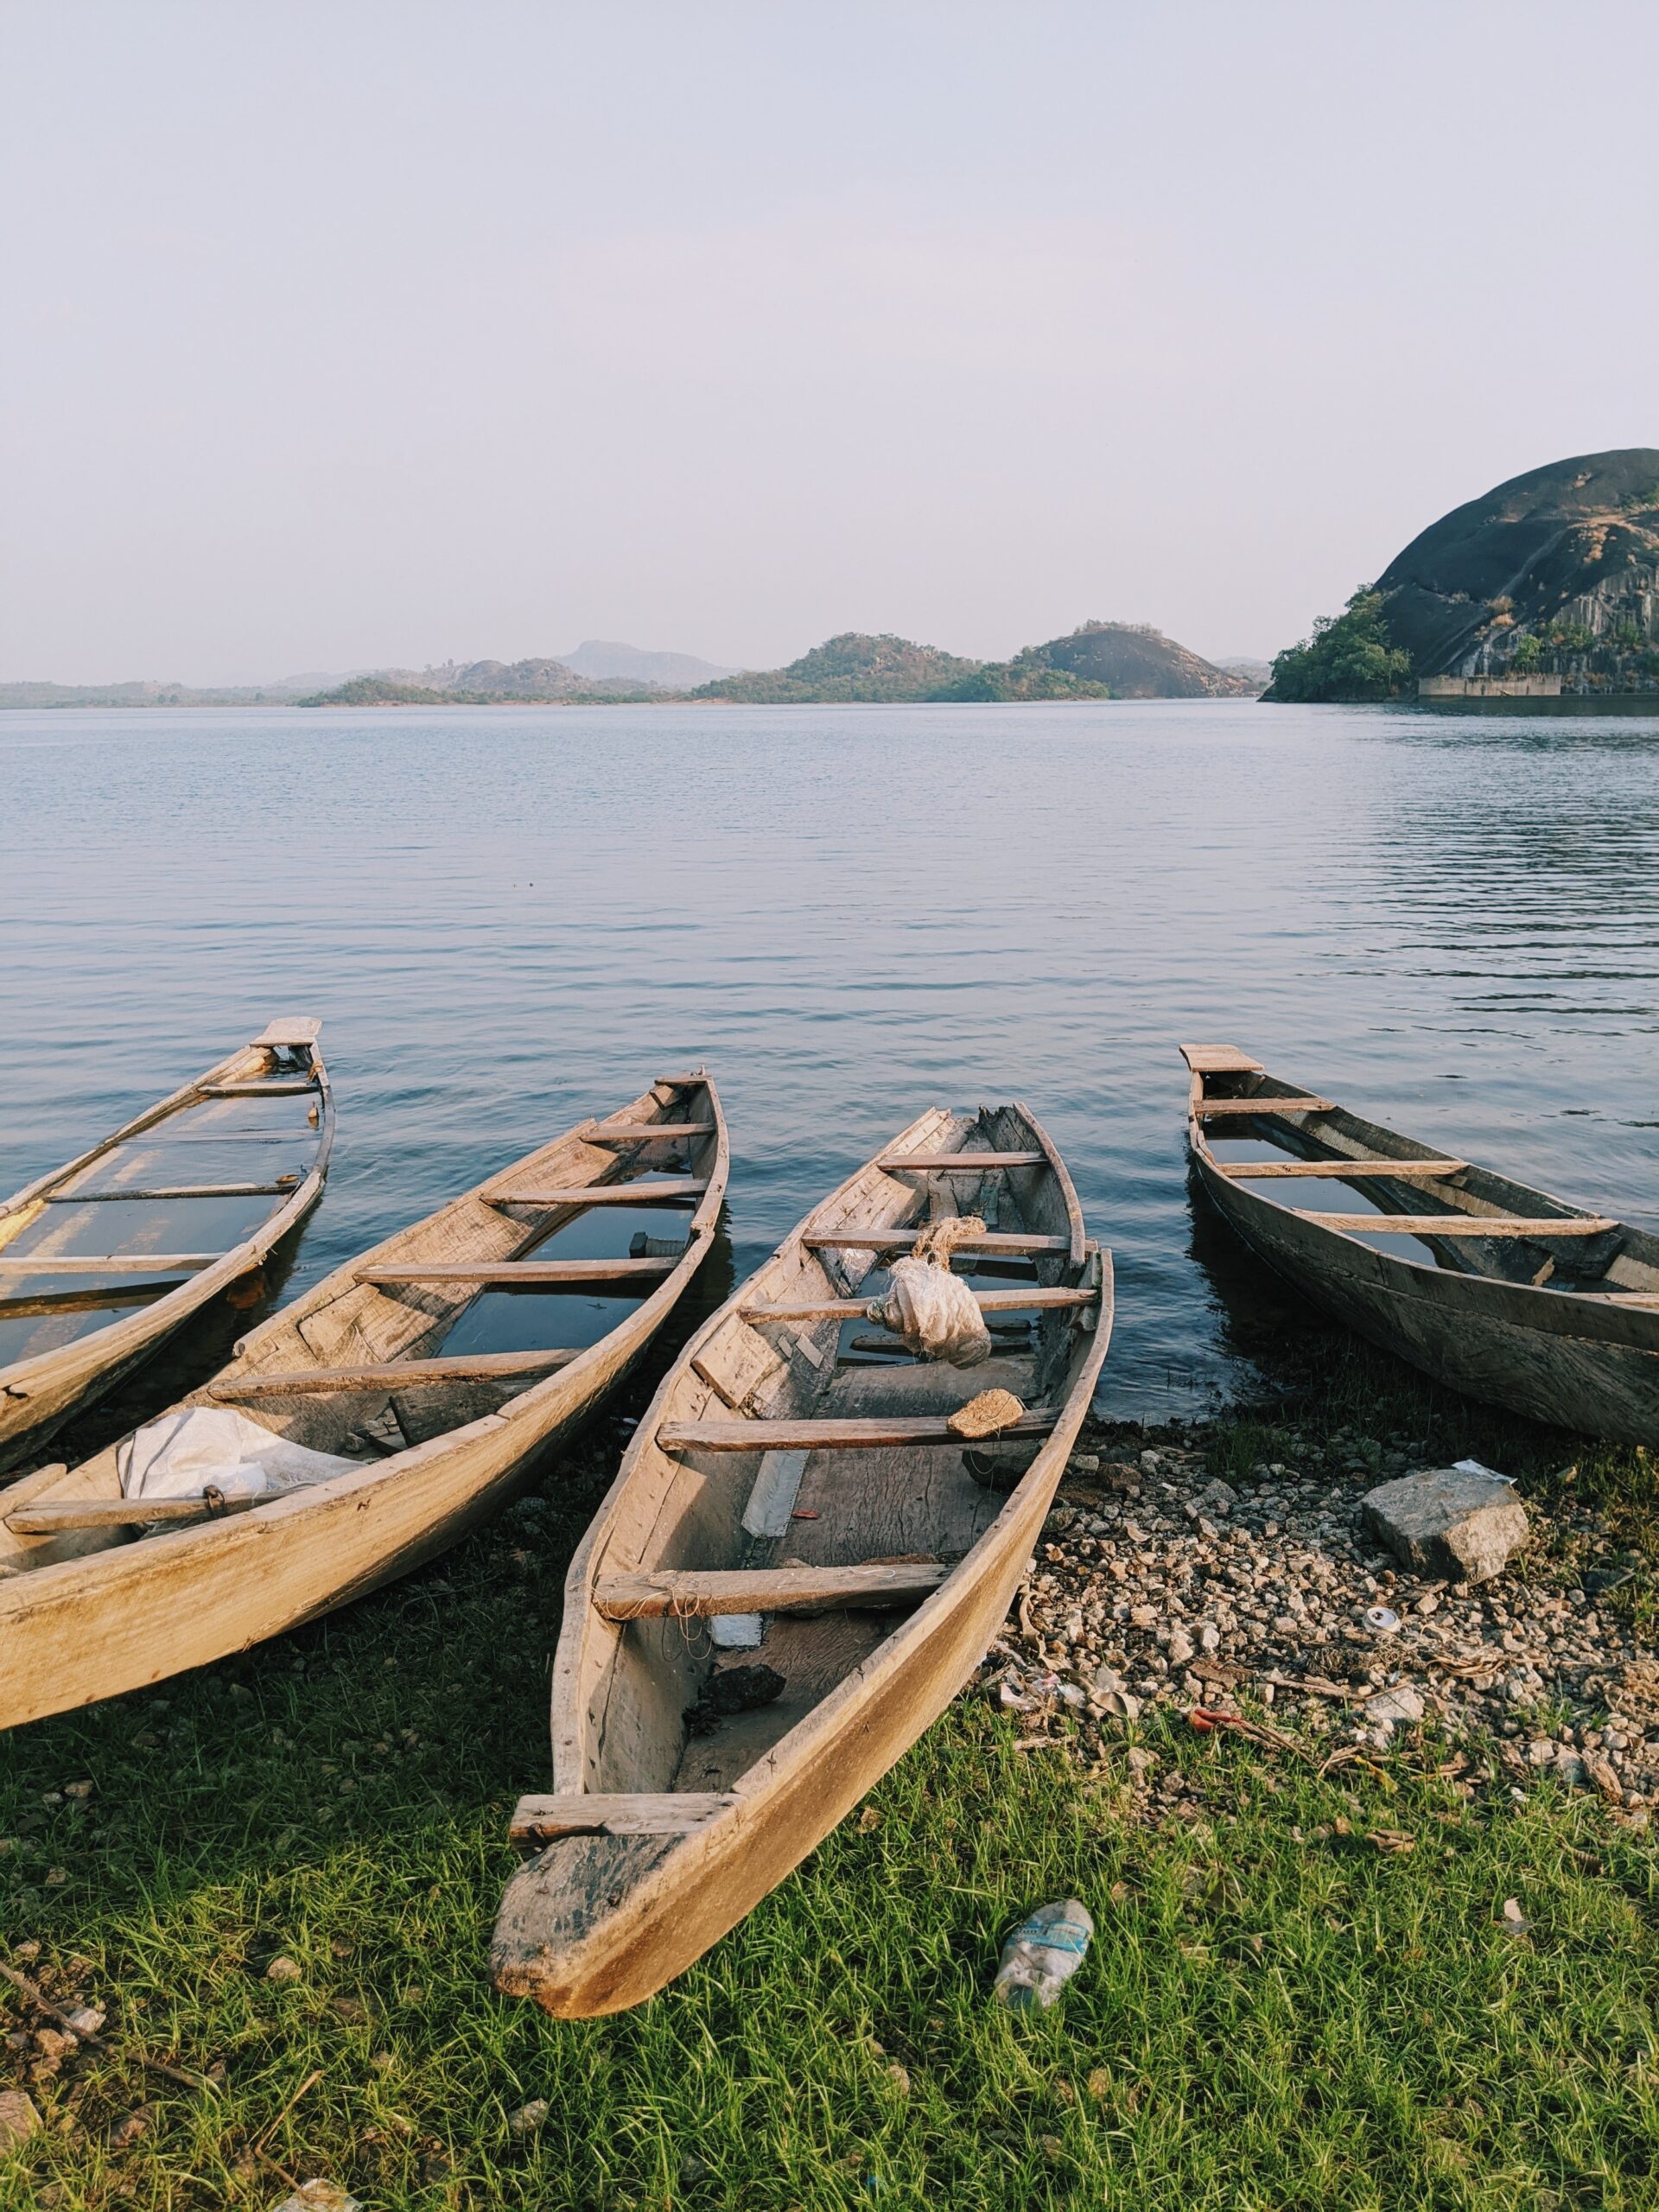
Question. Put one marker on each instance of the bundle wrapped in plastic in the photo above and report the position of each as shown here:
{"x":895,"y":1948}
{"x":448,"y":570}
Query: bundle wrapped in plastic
{"x":933,"y":1310}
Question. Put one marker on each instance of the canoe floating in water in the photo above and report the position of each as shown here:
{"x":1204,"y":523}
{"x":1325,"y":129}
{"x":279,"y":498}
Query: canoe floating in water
{"x":796,"y":1567}
{"x":390,"y":1362}
{"x":1506,"y":1293}
{"x":103,"y":1258}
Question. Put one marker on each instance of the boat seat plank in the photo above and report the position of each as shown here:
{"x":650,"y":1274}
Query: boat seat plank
{"x":283,"y":1188}
{"x":1253,"y":1171}
{"x":39,"y":1305}
{"x":391,"y":1374}
{"x":120,"y":1263}
{"x":957,"y":1163}
{"x":296,"y":1089}
{"x":1209,"y":1109}
{"x":685,"y":1595}
{"x":872,"y":1434}
{"x":677,"y":1192}
{"x":526,"y":1273}
{"x":295,"y":1029}
{"x":886,"y":1240}
{"x":537,"y":1821}
{"x":647,"y":1132}
{"x":1462,"y":1225}
{"x":989,"y":1301}
{"x":1220,"y":1059}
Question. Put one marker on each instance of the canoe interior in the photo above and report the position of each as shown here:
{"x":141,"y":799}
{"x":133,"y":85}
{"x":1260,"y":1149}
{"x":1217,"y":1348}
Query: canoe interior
{"x":193,"y":1142}
{"x":623,"y":1690}
{"x":343,"y":1323}
{"x":1620,"y":1259}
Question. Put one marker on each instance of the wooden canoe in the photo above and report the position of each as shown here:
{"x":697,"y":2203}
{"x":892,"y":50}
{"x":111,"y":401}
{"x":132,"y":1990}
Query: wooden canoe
{"x":852,"y":1500}
{"x":102,"y":1260}
{"x":90,"y":1611}
{"x":1508,"y":1294}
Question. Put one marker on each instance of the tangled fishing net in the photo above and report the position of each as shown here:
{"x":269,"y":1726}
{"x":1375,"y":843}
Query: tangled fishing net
{"x":935,"y":1312}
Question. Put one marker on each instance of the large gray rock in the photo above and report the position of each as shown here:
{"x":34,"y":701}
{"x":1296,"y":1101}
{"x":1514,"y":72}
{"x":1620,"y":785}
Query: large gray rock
{"x":18,"y":2119}
{"x":1447,"y":1524}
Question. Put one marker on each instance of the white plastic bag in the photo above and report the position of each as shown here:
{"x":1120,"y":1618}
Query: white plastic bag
{"x":935,"y":1312}
{"x":178,"y":1455}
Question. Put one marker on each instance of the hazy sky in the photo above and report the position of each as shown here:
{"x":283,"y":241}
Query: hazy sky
{"x":350,"y":333}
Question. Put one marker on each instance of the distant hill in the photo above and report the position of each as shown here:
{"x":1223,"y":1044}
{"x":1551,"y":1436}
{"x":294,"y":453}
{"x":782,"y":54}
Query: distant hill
{"x":1556,"y":572}
{"x":1135,"y":661}
{"x":1258,"y":674}
{"x":479,"y":683}
{"x":851,"y":668}
{"x":599,"y":657}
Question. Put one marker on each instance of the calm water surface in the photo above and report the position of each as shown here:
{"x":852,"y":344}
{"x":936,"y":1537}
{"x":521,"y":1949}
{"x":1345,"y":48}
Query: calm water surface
{"x":508,"y":918}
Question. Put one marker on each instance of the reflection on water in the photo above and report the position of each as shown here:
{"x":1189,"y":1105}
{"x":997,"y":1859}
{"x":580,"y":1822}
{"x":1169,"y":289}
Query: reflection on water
{"x":509,"y":918}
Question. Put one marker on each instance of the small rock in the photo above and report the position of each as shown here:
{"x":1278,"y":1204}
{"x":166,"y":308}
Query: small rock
{"x":285,"y":1969}
{"x":1210,"y":1636}
{"x":1446,"y":1524}
{"x":1391,"y":1707}
{"x":1541,"y":1752}
{"x":1181,"y":1648}
{"x":900,"y":2077}
{"x":530,"y":2117}
{"x":19,"y":2119}
{"x":1571,"y":1769}
{"x":1514,"y":1922}
{"x":319,"y":2196}
{"x":86,"y":2019}
{"x":1605,"y":1781}
{"x":136,"y":2123}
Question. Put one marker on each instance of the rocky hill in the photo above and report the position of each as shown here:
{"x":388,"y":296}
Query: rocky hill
{"x":1555,"y":572}
{"x":1134,"y":661}
{"x":853,"y":668}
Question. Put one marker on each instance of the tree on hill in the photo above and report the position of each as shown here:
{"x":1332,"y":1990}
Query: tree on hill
{"x":852,"y":667}
{"x":1349,"y":657}
{"x":1027,"y":675}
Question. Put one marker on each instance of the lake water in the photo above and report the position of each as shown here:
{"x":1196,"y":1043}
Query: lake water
{"x":509,"y":918}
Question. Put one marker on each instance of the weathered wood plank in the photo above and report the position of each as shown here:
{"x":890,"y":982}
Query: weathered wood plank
{"x":1208,"y":1109}
{"x":875,"y":1434}
{"x":680,"y":1191}
{"x":111,"y":1296}
{"x":526,"y":1273}
{"x":686,"y":1595}
{"x":1461,"y":1224}
{"x":184,"y":1191}
{"x":895,"y":1240}
{"x":45,"y":1518}
{"x":537,"y":1821}
{"x":647,"y":1132}
{"x":1219,"y":1059}
{"x":296,"y":1090}
{"x":965,"y":1163}
{"x":989,"y":1301}
{"x":391,"y":1374}
{"x":120,"y":1263}
{"x":1256,"y":1171}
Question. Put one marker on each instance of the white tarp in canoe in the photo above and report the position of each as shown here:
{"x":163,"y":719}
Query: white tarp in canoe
{"x":178,"y":1455}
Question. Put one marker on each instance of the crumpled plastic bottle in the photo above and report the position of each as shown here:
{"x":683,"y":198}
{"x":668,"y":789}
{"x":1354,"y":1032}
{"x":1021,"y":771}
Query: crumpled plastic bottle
{"x":1041,"y":1955}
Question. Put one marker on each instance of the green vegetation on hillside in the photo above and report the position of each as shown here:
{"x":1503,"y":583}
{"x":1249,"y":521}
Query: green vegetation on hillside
{"x":852,"y":667}
{"x":1348,"y":657}
{"x":1028,"y":676}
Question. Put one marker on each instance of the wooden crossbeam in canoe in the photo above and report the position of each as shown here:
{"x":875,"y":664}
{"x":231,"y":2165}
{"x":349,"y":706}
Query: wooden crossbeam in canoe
{"x":682,"y":1595}
{"x":529,"y":1274}
{"x":957,"y":1163}
{"x":1253,"y":1171}
{"x":676,"y":1192}
{"x":184,"y":1190}
{"x":894,"y":1240}
{"x":873,"y":1434}
{"x":45,"y":1517}
{"x":120,"y":1263}
{"x":1219,"y":1059}
{"x":37,"y":1305}
{"x":391,"y":1374}
{"x":1463,"y":1224}
{"x":257,"y":1089}
{"x":647,"y":1132}
{"x":989,"y":1301}
{"x":537,"y":1821}
{"x":1208,"y":1109}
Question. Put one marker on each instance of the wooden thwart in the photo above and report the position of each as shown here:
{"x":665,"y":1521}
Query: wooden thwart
{"x":257,"y":1089}
{"x":666,"y":1193}
{"x":989,"y":1301}
{"x":684,"y":1595}
{"x":1462,"y":1225}
{"x":647,"y":1132}
{"x":45,"y":1518}
{"x":392,"y":1376}
{"x":1254,"y":1171}
{"x":38,"y":1305}
{"x":184,"y":1191}
{"x":872,"y":1434}
{"x":528,"y":1273}
{"x":115,"y":1263}
{"x":1206,"y":1108}
{"x":978,"y":1163}
{"x":537,"y":1821}
{"x":1219,"y":1059}
{"x":893,"y":1240}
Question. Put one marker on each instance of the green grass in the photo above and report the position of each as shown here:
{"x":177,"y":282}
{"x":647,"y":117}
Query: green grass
{"x":1266,"y":2019}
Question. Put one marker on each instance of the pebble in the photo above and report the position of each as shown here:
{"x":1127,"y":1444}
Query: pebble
{"x":530,"y":2117}
{"x":285,"y":1969}
{"x":19,"y":2118}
